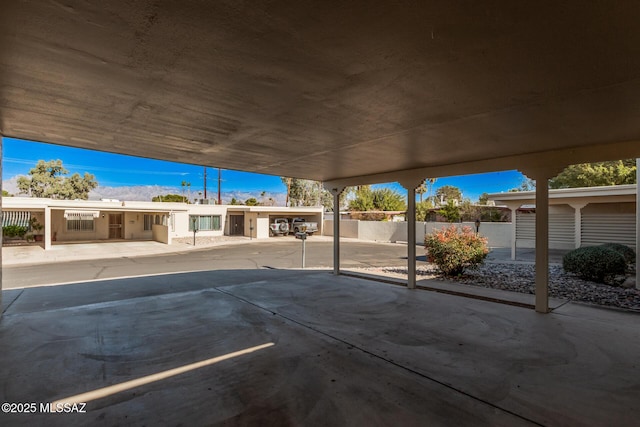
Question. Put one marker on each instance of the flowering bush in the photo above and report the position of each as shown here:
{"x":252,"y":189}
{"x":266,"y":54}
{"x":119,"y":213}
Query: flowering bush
{"x":453,"y":250}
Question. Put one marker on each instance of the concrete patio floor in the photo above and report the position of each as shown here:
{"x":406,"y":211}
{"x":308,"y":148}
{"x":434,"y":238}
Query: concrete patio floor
{"x":338,"y":351}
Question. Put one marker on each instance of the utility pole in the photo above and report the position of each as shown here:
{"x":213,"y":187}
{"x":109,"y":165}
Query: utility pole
{"x":205,"y":183}
{"x":219,"y":181}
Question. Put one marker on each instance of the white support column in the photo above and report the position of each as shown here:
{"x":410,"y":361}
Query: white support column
{"x":411,"y":186}
{"x":47,"y":228}
{"x":542,"y":245}
{"x":336,"y":192}
{"x":411,"y":238}
{"x":514,"y":229}
{"x":577,"y":207}
{"x":514,"y":226}
{"x":0,"y":218}
{"x":541,"y":175}
{"x":637,"y":219}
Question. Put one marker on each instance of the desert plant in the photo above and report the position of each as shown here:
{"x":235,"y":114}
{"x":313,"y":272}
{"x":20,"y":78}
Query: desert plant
{"x":595,"y":263}
{"x":628,"y":253}
{"x":35,"y":225}
{"x":450,"y":211}
{"x":453,"y":249}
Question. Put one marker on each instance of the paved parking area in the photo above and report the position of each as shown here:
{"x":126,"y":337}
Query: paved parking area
{"x":319,"y":350}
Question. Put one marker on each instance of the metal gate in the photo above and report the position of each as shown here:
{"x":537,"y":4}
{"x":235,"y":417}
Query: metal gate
{"x":115,"y":226}
{"x":236,"y":225}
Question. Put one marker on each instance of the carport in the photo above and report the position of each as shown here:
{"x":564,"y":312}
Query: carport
{"x":343,"y":94}
{"x":340,"y":92}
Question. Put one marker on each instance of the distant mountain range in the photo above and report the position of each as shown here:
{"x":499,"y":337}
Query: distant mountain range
{"x":146,"y":192}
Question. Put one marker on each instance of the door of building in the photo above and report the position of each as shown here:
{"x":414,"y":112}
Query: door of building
{"x":115,"y":226}
{"x":236,"y":225}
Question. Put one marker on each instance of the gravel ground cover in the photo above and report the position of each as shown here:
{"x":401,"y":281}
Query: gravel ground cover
{"x":521,"y":278}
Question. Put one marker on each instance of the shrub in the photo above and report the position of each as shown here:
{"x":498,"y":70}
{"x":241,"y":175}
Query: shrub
{"x":595,"y":263}
{"x":628,"y":253}
{"x":14,"y":231}
{"x":453,"y":250}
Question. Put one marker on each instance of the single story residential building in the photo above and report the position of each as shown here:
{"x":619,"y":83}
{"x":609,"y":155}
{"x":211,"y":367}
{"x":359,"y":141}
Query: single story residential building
{"x":86,"y":220}
{"x":577,"y":216}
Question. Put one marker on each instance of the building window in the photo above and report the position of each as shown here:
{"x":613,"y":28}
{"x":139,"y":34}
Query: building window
{"x":148,"y":222}
{"x":157,"y":219}
{"x":204,"y":222}
{"x":74,"y":224}
{"x":78,"y":220}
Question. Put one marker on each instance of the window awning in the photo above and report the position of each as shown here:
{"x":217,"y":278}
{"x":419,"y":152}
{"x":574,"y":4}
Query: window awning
{"x":83,"y":215}
{"x":19,"y":218}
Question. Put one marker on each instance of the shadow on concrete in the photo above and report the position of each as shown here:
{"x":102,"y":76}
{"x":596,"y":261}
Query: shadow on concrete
{"x":346,"y":351}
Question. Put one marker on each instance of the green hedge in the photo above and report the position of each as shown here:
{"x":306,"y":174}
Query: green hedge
{"x":595,"y":263}
{"x":628,"y":253}
{"x":14,"y":231}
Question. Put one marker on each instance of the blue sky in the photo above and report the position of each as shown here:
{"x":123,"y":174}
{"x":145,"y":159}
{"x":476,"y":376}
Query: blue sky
{"x":114,"y":170}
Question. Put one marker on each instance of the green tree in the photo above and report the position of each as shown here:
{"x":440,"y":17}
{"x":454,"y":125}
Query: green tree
{"x":251,"y":202}
{"x":380,"y":199}
{"x":483,"y":199}
{"x":616,"y":172}
{"x":422,"y":210}
{"x":187,"y":185}
{"x":168,"y":198}
{"x":448,"y":193}
{"x":305,"y":192}
{"x":386,"y":199}
{"x":5,"y":193}
{"x":426,"y":186}
{"x":363,"y":199}
{"x":450,"y":211}
{"x":47,"y":179}
{"x":422,"y":188}
{"x":234,"y":201}
{"x":527,"y":184}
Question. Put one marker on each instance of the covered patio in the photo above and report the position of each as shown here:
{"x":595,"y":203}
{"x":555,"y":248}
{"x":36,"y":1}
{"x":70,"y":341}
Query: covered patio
{"x":285,"y":347}
{"x":347,"y":94}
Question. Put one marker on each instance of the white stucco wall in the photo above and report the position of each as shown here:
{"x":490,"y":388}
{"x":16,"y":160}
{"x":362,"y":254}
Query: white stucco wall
{"x":498,"y":233}
{"x":348,"y":228}
{"x":262,"y":228}
{"x":161,"y":234}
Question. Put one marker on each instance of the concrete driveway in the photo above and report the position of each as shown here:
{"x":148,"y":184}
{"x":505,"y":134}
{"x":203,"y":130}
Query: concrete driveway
{"x":319,"y":350}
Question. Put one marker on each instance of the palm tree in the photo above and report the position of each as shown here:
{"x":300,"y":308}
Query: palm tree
{"x":422,"y":188}
{"x":429,"y":183}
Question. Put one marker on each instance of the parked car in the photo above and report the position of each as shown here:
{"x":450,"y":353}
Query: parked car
{"x":300,"y":224}
{"x":279,"y":227}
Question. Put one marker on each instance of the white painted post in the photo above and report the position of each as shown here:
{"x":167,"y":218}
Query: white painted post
{"x":1,"y":214}
{"x":541,"y":174}
{"x":578,"y":223}
{"x":514,"y":228}
{"x":47,"y":228}
{"x":542,"y":244}
{"x":410,"y":185}
{"x":336,"y":233}
{"x":336,"y":228}
{"x":411,"y":238}
{"x":513,"y":208}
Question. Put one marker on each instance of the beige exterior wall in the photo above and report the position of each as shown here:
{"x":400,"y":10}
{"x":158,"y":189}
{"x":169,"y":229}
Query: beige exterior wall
{"x":161,"y":234}
{"x":133,"y":218}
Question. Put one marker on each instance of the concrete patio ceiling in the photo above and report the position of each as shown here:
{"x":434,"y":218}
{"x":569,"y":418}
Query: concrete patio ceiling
{"x":328,"y":90}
